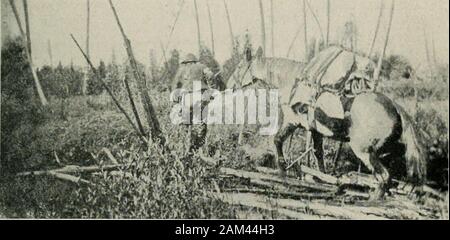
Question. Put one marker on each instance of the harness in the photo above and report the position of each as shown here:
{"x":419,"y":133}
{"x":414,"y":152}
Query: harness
{"x":353,"y":83}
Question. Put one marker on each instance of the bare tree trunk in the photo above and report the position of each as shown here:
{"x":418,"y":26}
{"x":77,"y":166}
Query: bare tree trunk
{"x":272,"y":27}
{"x":327,"y":40}
{"x":133,"y":106}
{"x":435,"y":62}
{"x":427,"y":50}
{"x":427,"y":47}
{"x":153,"y":123}
{"x":198,"y":28}
{"x":85,"y":79}
{"x":316,"y":47}
{"x":172,"y":28}
{"x":386,"y":40}
{"x":50,"y":55}
{"x":230,"y":28}
{"x":377,"y":28}
{"x":293,"y":41}
{"x":26,"y":37}
{"x":27,"y":26}
{"x":211,"y":30}
{"x":263,"y":27}
{"x":88,"y":27}
{"x":316,"y":19}
{"x":305,"y":29}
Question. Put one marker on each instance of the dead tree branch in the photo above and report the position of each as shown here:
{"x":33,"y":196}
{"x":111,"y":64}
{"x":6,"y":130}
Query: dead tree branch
{"x":316,"y":19}
{"x":263,"y":27}
{"x":133,"y":106}
{"x":153,"y":123}
{"x":377,"y":28}
{"x":109,"y":91}
{"x":230,"y":28}
{"x":197,"y":20}
{"x":386,"y":40}
{"x":211,"y":29}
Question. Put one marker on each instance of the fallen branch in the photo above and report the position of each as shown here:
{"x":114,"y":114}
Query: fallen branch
{"x":274,"y":179}
{"x":72,"y":169}
{"x":285,"y":194}
{"x":260,"y":202}
{"x":110,"y":156}
{"x":67,"y":177}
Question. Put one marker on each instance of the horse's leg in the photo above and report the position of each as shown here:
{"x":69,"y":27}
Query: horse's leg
{"x":279,"y":139}
{"x":337,"y":156}
{"x":371,"y":161}
{"x":318,"y":149}
{"x":381,"y":174}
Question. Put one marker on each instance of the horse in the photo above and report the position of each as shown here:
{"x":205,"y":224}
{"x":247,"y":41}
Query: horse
{"x":379,"y":131}
{"x":256,"y":71}
{"x":283,"y":74}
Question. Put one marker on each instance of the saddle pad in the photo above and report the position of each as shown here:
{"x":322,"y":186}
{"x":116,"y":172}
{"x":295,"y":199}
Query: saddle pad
{"x":331,"y":105}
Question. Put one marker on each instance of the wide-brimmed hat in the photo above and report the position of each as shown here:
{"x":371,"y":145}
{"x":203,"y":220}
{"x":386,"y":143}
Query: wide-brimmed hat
{"x":189,"y":58}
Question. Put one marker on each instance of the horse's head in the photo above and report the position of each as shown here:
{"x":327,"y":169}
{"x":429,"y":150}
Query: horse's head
{"x":301,"y":102}
{"x":250,"y":69}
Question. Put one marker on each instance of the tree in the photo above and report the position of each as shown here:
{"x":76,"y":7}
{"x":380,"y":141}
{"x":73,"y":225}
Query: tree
{"x":154,"y":68}
{"x":386,"y":40}
{"x":26,"y":37}
{"x":263,"y":26}
{"x":230,"y":64}
{"x":305,"y":30}
{"x":211,"y":30}
{"x":95,"y":87}
{"x":20,"y":106}
{"x":327,"y":40}
{"x":349,"y":36}
{"x":199,"y":41}
{"x":85,"y":84}
{"x":113,"y":77}
{"x":207,"y":58}
{"x":230,"y":28}
{"x":377,"y":28}
{"x":171,"y":67}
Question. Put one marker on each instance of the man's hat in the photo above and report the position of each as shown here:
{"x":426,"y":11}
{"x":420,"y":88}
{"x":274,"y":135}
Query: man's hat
{"x":189,"y":58}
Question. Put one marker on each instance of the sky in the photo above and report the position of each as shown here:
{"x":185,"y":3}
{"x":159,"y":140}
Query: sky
{"x":147,"y":24}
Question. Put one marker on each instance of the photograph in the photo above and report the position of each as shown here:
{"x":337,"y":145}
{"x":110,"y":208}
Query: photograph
{"x":219,"y":110}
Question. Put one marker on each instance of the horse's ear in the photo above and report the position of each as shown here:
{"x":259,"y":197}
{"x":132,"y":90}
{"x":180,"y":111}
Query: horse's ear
{"x":248,"y":54}
{"x":259,"y":54}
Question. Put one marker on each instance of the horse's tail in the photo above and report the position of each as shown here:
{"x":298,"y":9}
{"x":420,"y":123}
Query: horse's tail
{"x":415,"y":156}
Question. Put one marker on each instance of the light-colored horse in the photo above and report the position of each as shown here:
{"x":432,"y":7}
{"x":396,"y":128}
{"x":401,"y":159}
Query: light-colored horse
{"x":380,"y":133}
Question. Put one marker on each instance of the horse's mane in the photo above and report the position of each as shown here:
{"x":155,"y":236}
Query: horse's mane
{"x":289,"y":68}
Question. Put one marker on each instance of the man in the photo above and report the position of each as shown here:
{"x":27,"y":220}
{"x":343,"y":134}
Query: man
{"x":192,"y":70}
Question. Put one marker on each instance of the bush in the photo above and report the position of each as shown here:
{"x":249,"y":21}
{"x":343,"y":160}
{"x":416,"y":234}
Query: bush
{"x":21,"y":111}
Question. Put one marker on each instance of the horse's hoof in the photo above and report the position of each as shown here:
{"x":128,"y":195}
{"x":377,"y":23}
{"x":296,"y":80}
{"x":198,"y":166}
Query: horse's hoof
{"x":282,"y":173}
{"x":377,"y":195}
{"x":282,"y":168}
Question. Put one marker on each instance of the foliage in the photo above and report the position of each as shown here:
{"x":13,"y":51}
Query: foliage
{"x":95,"y":86}
{"x":21,"y":110}
{"x":170,"y":69}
